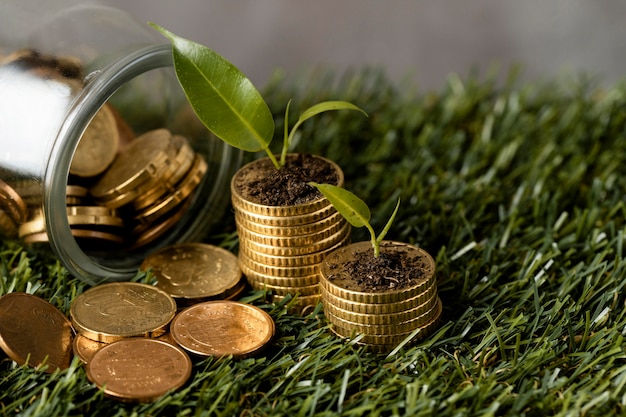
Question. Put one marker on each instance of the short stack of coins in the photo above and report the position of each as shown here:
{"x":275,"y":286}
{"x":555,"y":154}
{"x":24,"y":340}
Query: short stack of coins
{"x":382,"y":320}
{"x":280,"y":248}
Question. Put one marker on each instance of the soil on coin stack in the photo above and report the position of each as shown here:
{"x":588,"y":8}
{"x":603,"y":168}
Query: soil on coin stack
{"x":390,"y":271}
{"x":289,"y":184}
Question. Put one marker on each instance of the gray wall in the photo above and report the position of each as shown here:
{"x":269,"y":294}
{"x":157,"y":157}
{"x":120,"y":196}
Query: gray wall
{"x":428,"y":39}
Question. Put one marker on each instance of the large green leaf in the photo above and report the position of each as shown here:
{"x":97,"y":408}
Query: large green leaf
{"x":348,"y":204}
{"x":224,"y":99}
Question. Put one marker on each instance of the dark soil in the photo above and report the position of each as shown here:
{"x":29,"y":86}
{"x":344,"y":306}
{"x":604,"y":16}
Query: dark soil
{"x":390,"y":271}
{"x":262,"y":183}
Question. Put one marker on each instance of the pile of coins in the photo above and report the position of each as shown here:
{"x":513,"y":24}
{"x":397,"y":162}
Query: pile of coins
{"x":123,"y":191}
{"x":381,"y":319}
{"x":281,"y":247}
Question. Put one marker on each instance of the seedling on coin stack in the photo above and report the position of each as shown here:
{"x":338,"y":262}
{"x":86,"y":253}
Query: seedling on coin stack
{"x":385,"y":291}
{"x":285,"y":226}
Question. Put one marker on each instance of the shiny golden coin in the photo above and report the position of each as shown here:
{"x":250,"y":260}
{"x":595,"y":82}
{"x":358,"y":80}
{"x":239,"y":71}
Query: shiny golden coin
{"x":85,"y":347}
{"x":8,"y":228}
{"x":139,"y":370}
{"x":135,"y":169}
{"x":97,"y":146}
{"x":290,"y":221}
{"x":76,"y":191}
{"x":286,"y":261}
{"x":180,"y":166}
{"x":193,"y":270}
{"x":222,"y":328}
{"x":304,"y":290}
{"x":147,"y":233}
{"x":113,"y":311}
{"x":33,"y":331}
{"x":81,"y":235}
{"x":383,"y":329}
{"x":261,"y":168}
{"x":12,"y":203}
{"x":343,"y":286}
{"x":339,"y":239}
{"x":278,"y":271}
{"x":76,"y":215}
{"x":173,"y":200}
{"x":257,"y":278}
{"x":392,"y":340}
{"x":336,"y":229}
{"x":287,"y":231}
{"x":384,"y":308}
{"x":381,"y":319}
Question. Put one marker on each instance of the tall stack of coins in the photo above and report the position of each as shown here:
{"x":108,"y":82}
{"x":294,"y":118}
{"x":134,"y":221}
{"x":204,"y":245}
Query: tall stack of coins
{"x":280,"y":248}
{"x":382,"y":319}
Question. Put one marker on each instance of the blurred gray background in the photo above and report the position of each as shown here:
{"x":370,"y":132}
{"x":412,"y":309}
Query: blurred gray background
{"x":424,"y":39}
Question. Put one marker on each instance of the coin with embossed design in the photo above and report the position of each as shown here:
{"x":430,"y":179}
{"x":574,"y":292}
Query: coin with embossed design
{"x":113,"y":311}
{"x":35,"y":332}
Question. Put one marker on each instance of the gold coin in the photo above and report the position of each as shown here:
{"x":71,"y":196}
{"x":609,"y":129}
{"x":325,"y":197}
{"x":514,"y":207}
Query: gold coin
{"x":278,"y":271}
{"x":340,"y":238}
{"x":392,"y":340}
{"x":254,"y":277}
{"x":135,"y":168}
{"x":146,"y":233}
{"x":286,"y":261}
{"x":304,"y":290}
{"x":138,"y":369}
{"x":97,"y":146}
{"x":33,"y":331}
{"x":289,"y":221}
{"x":193,"y":270}
{"x":386,"y":329}
{"x":259,"y":169}
{"x":85,"y":347}
{"x":384,"y":308}
{"x":174,"y":199}
{"x":177,"y":170}
{"x":222,"y":328}
{"x":287,"y":231}
{"x":380,"y":319}
{"x":338,"y":228}
{"x":83,"y":236}
{"x":77,"y":215}
{"x":342,"y":282}
{"x":12,"y":203}
{"x":113,"y":311}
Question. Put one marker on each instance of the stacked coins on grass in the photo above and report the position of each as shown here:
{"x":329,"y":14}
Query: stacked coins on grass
{"x":382,"y":320}
{"x":280,"y":248}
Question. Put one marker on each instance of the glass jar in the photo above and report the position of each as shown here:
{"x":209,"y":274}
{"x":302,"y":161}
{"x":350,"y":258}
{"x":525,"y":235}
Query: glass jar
{"x":61,"y":63}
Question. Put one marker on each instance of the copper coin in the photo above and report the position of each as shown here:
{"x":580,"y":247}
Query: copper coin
{"x":97,"y":146}
{"x":33,"y":330}
{"x":113,"y":311}
{"x":194,"y":270}
{"x":221,"y":328}
{"x":85,"y":347}
{"x":138,"y":369}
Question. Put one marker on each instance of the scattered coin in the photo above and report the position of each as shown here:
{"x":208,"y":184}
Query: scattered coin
{"x":222,"y":328}
{"x":117,"y":310}
{"x":194,"y":271}
{"x":139,"y":369}
{"x":34,"y":332}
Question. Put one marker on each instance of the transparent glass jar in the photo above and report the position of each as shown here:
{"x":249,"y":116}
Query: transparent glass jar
{"x":62,"y":62}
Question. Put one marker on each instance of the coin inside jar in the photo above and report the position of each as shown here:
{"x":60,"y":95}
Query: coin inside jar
{"x":113,"y":311}
{"x":139,"y":370}
{"x":34,"y":332}
{"x":222,"y":328}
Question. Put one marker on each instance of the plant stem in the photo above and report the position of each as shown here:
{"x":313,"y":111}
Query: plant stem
{"x":375,"y":243}
{"x":273,"y":158}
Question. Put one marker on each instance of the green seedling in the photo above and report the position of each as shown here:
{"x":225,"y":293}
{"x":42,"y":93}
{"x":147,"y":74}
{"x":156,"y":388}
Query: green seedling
{"x":355,"y":211}
{"x":227,"y":102}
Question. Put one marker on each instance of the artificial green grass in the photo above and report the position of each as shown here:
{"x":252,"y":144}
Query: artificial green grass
{"x":516,"y":190}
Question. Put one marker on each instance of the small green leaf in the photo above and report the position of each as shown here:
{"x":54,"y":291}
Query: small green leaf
{"x":327,"y":106}
{"x":224,"y":99}
{"x":383,"y":233}
{"x":349,"y":205}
